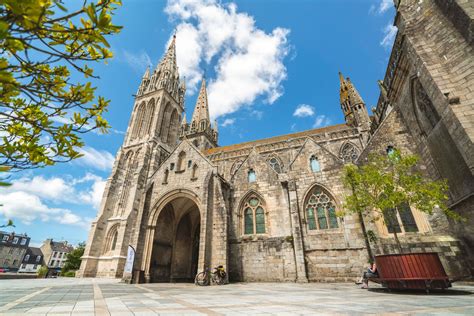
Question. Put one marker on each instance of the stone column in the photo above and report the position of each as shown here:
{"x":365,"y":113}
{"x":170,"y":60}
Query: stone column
{"x":298,"y":247}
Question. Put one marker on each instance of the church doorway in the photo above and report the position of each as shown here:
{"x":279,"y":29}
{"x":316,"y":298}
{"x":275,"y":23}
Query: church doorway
{"x":175,"y":250}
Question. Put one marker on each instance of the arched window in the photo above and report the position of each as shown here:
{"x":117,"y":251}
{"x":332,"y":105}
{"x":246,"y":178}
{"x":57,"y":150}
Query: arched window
{"x":314,"y":162}
{"x":194,"y":173}
{"x":114,"y":241}
{"x":165,"y":178}
{"x":173,"y":128}
{"x":252,"y":177}
{"x":320,"y":210}
{"x":254,"y":216}
{"x":349,"y":153}
{"x":425,"y":112}
{"x":139,"y":118}
{"x":165,"y":123}
{"x":111,"y":239}
{"x":275,"y":164}
{"x":181,"y":159}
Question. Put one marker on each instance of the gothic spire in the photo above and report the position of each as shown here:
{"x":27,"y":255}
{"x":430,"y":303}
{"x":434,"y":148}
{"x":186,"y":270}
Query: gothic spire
{"x":169,"y":59}
{"x":201,"y":111}
{"x":354,"y":95}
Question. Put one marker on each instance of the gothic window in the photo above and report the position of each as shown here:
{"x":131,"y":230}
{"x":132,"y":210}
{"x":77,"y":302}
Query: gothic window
{"x":114,"y":241}
{"x":190,"y":163}
{"x":254,"y":216}
{"x":401,"y":221}
{"x":173,"y":128}
{"x":314,"y":162}
{"x":275,"y":164}
{"x":349,"y":153}
{"x":145,"y":126}
{"x":165,"y":123}
{"x":139,"y":118}
{"x":252,"y":177}
{"x":320,"y":210}
{"x":181,"y":160}
{"x":203,"y":125}
{"x":111,"y":239}
{"x":425,"y":112}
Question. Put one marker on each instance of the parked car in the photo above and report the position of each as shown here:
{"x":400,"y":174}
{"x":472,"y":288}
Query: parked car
{"x":3,"y":270}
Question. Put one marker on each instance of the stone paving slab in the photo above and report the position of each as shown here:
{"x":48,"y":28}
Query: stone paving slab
{"x":109,"y":297}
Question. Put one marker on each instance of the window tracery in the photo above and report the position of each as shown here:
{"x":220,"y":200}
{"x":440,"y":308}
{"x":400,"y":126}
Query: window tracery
{"x":254,"y":216}
{"x":275,"y":164}
{"x":320,"y":210}
{"x":349,"y":153}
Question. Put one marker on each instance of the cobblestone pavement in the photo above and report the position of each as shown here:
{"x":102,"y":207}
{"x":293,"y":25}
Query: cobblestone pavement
{"x":109,"y":297}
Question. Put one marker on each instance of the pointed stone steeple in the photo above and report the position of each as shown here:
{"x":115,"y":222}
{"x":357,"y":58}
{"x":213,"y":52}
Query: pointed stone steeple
{"x":201,"y":111}
{"x":200,"y":131}
{"x":352,"y":104}
{"x":145,"y":81}
{"x":168,"y":61}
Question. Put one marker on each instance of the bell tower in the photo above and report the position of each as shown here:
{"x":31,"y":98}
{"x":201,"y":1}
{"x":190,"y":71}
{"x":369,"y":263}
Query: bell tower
{"x":152,"y":134}
{"x":352,"y":105}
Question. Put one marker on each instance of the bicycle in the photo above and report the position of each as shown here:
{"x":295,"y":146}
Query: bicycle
{"x":218,"y":276}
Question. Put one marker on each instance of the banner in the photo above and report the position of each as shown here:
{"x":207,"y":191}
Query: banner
{"x":130,"y":259}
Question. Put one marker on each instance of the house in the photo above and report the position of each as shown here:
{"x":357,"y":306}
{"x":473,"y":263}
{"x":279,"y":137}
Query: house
{"x":13,"y":248}
{"x":32,"y":261}
{"x":55,"y":253}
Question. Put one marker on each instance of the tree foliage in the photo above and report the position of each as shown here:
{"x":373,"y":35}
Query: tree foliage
{"x":43,"y":46}
{"x":387,"y":181}
{"x":73,"y":259}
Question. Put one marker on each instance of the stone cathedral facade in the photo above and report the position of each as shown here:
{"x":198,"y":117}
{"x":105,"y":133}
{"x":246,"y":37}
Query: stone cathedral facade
{"x":266,"y":209}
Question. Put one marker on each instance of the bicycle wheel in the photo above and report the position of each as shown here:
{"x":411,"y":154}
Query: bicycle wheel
{"x":201,"y":279}
{"x":219,"y":278}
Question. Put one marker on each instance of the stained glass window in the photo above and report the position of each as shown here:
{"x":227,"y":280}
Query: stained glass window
{"x":254,"y":216}
{"x":248,"y":219}
{"x":321,"y":210}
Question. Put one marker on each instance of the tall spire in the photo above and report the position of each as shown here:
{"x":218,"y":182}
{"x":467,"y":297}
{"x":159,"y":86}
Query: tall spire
{"x":352,"y":104}
{"x":201,"y":111}
{"x":169,"y":59}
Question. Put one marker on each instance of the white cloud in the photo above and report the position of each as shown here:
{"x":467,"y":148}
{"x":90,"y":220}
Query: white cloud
{"x":249,"y":62}
{"x":97,"y":159}
{"x":55,"y":189}
{"x":382,"y":7}
{"x":256,"y":114}
{"x":390,"y":31}
{"x":28,"y":207}
{"x":228,"y":122}
{"x":137,"y":61}
{"x":303,"y":110}
{"x":321,"y":121}
{"x":94,"y":195}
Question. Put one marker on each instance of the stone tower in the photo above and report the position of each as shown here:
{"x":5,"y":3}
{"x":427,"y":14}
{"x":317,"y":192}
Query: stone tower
{"x":152,"y":134}
{"x":200,"y":132}
{"x":355,"y":112}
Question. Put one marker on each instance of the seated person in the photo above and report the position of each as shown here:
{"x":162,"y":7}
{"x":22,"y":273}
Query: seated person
{"x":370,"y":273}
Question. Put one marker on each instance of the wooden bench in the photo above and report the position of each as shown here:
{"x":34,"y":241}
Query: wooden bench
{"x":411,"y":271}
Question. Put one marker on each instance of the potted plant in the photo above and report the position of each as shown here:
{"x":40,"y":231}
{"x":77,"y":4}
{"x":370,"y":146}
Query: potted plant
{"x":380,"y":187}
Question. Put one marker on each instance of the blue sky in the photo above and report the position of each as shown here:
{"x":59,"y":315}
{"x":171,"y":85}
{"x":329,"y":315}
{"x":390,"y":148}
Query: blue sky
{"x":271,"y":66}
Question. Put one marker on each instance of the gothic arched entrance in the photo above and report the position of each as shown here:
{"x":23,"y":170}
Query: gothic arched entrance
{"x":175,"y":249}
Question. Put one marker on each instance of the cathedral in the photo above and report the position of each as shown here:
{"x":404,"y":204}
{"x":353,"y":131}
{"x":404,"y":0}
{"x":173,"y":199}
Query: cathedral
{"x":267,"y":210}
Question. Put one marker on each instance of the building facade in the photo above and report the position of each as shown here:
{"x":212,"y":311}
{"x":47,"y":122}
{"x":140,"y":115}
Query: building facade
{"x":266,"y":210}
{"x":32,"y":261}
{"x":13,"y":248}
{"x":55,"y":253}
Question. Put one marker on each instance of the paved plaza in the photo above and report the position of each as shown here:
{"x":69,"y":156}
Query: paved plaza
{"x":109,"y":297}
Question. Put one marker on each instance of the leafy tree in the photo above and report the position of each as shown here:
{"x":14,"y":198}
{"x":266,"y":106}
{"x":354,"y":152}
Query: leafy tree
{"x":43,"y":111}
{"x":386,"y":182}
{"x":73,"y":259}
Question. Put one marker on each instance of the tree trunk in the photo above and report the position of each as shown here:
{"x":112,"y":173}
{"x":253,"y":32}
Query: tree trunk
{"x":366,"y":238}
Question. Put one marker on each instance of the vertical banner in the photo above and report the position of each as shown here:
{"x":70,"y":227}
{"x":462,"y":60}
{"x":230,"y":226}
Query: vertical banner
{"x":130,"y":259}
